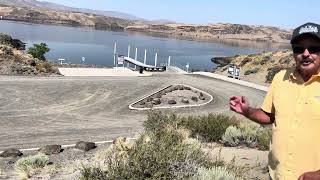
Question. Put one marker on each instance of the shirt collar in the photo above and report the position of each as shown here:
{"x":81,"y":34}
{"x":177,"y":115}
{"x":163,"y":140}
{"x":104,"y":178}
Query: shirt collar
{"x":294,"y":75}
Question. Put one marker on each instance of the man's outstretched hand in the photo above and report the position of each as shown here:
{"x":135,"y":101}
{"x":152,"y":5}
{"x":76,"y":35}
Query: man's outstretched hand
{"x":239,"y":104}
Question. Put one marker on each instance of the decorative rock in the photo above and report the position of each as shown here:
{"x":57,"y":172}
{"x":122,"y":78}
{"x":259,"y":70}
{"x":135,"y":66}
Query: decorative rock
{"x":149,"y":99}
{"x":149,"y":104}
{"x":185,"y":101}
{"x":187,"y":88}
{"x":178,"y":87}
{"x":158,"y":95}
{"x":156,"y":101}
{"x":168,"y":90}
{"x":12,"y":152}
{"x":193,"y":98}
{"x":142,"y":103}
{"x":85,"y":146}
{"x":171,"y":101}
{"x":202,"y":98}
{"x":201,"y":94}
{"x":51,"y":149}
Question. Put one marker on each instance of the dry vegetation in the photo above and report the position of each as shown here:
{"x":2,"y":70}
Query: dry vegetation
{"x":257,"y":68}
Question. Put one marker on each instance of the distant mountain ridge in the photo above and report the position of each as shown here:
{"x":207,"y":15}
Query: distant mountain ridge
{"x":57,"y":7}
{"x":49,"y":13}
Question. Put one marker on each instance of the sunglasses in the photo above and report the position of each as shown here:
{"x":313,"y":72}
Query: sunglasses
{"x":301,"y":49}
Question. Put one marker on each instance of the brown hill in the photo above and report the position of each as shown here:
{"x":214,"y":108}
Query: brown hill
{"x":257,"y":68}
{"x":217,"y":31}
{"x":46,"y":16}
{"x":209,"y":32}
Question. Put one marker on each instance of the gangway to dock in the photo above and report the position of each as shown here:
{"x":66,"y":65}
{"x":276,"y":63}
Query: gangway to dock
{"x":121,"y":60}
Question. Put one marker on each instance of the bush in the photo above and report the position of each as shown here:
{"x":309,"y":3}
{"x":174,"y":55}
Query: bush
{"x":45,"y":67}
{"x":158,"y":120}
{"x":211,"y":127}
{"x":38,"y":51}
{"x":215,"y":173}
{"x":272,"y":72}
{"x":164,"y":154}
{"x":232,"y":137}
{"x":251,"y":71}
{"x":264,"y":137}
{"x":31,"y":164}
{"x":249,"y":132}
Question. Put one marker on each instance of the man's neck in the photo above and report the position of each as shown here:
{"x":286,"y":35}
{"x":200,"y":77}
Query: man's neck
{"x":306,"y":75}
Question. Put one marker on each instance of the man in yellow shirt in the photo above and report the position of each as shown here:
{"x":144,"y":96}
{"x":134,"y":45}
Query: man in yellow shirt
{"x":292,"y":105}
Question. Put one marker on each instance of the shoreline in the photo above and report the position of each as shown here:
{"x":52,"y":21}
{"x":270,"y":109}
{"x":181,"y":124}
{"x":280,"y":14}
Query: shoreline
{"x":170,"y":35}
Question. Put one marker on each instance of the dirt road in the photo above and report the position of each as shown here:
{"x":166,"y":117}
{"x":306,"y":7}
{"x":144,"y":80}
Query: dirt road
{"x":63,"y":110}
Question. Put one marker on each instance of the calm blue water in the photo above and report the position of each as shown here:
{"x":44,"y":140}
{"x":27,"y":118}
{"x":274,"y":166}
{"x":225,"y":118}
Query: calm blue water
{"x":73,"y":43}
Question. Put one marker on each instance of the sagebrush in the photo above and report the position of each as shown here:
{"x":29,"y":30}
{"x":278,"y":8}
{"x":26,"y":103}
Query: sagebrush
{"x":27,"y":166}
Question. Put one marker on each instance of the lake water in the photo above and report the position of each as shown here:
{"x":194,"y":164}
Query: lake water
{"x":73,"y":43}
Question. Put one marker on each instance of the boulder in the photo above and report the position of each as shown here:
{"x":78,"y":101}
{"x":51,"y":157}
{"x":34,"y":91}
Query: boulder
{"x":149,"y":99}
{"x":149,"y":104}
{"x":187,"y":88}
{"x":179,"y":87}
{"x":85,"y":146}
{"x":156,"y":101}
{"x":202,"y":98}
{"x":195,"y":99}
{"x":158,"y":95}
{"x":12,"y":152}
{"x":185,"y":101}
{"x":142,"y":103}
{"x":171,"y":101}
{"x":51,"y":149}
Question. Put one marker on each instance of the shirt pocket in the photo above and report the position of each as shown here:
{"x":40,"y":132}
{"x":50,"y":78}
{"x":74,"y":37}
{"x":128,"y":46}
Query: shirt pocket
{"x":314,"y":108}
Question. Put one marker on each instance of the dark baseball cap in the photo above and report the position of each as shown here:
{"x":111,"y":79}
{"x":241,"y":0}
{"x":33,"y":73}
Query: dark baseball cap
{"x":308,"y":29}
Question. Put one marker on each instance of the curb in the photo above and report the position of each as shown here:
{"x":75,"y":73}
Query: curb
{"x":168,"y":107}
{"x":71,"y":145}
{"x":231,"y":80}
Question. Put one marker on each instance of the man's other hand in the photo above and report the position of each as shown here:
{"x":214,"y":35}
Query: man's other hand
{"x":239,"y":104}
{"x":314,"y":175}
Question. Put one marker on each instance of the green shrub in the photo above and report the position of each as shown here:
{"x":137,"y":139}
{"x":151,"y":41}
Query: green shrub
{"x":251,"y":71}
{"x":158,"y":120}
{"x":272,"y":72}
{"x":38,"y":51}
{"x":232,"y":137}
{"x":163,"y":154}
{"x":45,"y":67}
{"x":90,"y":173}
{"x":249,"y":132}
{"x":29,"y":165}
{"x":211,"y":127}
{"x":215,"y":173}
{"x":264,"y":137}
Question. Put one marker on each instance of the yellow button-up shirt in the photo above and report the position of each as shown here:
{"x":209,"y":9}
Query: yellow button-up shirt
{"x":295,"y":145}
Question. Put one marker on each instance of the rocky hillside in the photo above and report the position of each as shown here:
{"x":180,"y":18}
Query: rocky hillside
{"x":217,"y":31}
{"x":13,"y":61}
{"x":257,"y":68}
{"x":47,"y":16}
{"x":209,"y":32}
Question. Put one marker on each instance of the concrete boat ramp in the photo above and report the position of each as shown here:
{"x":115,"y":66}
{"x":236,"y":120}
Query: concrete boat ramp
{"x":116,"y":71}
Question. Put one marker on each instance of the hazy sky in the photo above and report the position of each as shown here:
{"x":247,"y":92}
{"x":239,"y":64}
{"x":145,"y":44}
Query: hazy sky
{"x":280,"y":13}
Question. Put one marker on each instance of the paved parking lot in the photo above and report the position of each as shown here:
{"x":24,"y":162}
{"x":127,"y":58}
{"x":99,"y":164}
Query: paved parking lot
{"x":62,"y":110}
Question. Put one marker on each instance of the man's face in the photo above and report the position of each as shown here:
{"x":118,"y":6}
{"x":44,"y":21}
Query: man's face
{"x":306,"y":53}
